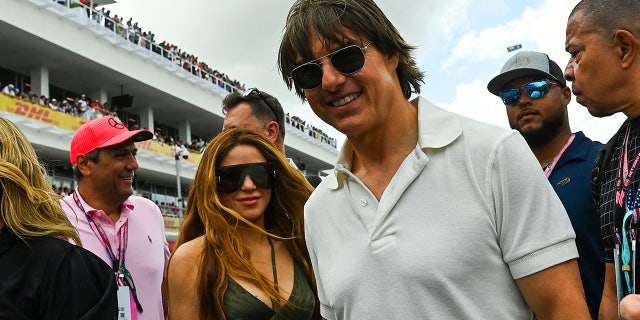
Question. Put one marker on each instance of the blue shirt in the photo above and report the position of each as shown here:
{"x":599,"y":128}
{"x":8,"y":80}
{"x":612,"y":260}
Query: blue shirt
{"x":571,"y":179}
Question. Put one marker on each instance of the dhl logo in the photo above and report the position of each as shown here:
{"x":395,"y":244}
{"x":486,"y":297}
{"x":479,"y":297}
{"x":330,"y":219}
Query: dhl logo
{"x":34,"y":112}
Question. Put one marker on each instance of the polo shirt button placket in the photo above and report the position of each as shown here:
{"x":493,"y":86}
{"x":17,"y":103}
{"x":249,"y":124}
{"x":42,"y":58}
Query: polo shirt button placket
{"x":364,"y":202}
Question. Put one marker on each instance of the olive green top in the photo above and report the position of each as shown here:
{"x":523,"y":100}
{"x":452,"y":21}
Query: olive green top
{"x":239,"y":304}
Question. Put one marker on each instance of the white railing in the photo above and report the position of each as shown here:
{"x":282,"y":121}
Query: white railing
{"x":117,"y":31}
{"x":134,"y":39}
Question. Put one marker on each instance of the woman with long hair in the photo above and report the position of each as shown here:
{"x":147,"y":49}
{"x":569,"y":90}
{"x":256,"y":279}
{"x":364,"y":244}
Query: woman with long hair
{"x":42,"y":275}
{"x":241,"y":252}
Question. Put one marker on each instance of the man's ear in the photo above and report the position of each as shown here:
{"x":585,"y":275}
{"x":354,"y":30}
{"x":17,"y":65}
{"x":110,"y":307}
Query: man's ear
{"x":82,"y":162}
{"x":626,"y":46}
{"x":273,"y":131}
{"x":566,"y":95}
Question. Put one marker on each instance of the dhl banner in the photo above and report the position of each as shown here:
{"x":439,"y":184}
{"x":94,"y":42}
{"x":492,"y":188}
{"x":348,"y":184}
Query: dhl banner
{"x":39,"y":113}
{"x":171,"y":224}
{"x":62,"y":120}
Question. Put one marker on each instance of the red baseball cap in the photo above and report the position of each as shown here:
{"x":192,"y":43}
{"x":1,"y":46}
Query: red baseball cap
{"x":101,"y":133}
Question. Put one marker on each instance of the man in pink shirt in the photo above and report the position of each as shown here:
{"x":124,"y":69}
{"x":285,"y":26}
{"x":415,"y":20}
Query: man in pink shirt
{"x":126,"y":231}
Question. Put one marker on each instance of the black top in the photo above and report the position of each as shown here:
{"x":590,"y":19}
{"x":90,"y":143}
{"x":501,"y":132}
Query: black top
{"x":46,"y":278}
{"x":609,"y":214}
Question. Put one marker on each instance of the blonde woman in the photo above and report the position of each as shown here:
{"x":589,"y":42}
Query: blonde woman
{"x":241,"y":253}
{"x":42,"y":275}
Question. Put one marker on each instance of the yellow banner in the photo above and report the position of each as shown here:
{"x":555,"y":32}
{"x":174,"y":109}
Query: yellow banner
{"x":63,"y":120}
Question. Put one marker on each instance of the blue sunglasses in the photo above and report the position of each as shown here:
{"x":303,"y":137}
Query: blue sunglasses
{"x":534,"y":89}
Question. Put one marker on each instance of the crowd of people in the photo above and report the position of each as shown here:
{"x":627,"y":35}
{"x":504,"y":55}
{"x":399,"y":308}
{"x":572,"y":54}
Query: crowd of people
{"x":309,"y":129}
{"x":80,"y":106}
{"x":134,"y":33}
{"x":411,"y":226}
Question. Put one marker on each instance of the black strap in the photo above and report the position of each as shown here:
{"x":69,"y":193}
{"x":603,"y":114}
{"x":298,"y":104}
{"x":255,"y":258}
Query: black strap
{"x":273,"y":265}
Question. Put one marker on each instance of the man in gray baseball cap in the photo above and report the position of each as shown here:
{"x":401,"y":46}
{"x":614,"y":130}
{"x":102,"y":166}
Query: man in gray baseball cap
{"x":536,"y":96}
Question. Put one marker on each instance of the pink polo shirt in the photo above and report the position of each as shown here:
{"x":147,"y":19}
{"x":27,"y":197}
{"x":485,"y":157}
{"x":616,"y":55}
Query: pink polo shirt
{"x":147,"y":250}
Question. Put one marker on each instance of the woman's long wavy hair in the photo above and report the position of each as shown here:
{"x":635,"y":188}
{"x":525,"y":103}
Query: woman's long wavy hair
{"x":224,"y":253}
{"x":28,"y":205}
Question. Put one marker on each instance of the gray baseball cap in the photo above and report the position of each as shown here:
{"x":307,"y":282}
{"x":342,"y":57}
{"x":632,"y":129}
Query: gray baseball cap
{"x":524,"y":64}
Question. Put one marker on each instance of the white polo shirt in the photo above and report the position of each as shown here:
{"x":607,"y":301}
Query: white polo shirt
{"x":467,"y":212}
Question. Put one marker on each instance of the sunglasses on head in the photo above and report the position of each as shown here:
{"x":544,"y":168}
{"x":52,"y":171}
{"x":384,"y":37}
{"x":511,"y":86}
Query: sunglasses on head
{"x":347,"y":60}
{"x":250,"y":91}
{"x":231,"y":178}
{"x":534,"y":89}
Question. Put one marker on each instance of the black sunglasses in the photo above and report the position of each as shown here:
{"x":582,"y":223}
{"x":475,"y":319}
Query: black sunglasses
{"x":347,"y":60}
{"x":249,"y":91}
{"x":231,"y":178}
{"x":534,"y":89}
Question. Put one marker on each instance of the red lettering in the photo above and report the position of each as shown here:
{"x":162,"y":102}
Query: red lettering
{"x":35,"y":113}
{"x":22,"y":109}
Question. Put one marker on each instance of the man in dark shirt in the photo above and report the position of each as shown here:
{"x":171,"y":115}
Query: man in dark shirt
{"x":603,"y":39}
{"x":536,"y":96}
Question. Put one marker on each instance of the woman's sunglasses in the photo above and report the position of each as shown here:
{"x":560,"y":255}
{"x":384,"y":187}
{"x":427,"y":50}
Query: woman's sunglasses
{"x":347,"y":60}
{"x":231,"y":178}
{"x":534,"y":89}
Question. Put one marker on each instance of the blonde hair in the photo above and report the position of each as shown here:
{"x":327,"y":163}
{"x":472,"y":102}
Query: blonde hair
{"x":224,"y":253}
{"x":28,"y":205}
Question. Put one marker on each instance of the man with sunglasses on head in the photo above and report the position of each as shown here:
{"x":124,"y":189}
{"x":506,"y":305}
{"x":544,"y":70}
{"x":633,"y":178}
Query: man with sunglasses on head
{"x":262,"y":113}
{"x":536,"y":96}
{"x":428,"y":214}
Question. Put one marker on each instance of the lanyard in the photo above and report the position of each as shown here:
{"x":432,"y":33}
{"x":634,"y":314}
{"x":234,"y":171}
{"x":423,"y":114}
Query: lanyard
{"x":549,"y":168}
{"x":116,"y":261}
{"x":123,"y":276}
{"x":624,"y":176}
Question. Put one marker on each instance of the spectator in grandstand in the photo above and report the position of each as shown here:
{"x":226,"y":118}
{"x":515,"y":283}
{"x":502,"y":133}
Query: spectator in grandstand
{"x":81,"y":104}
{"x":181,"y":150}
{"x":104,"y":211}
{"x":64,"y":192}
{"x":260,"y":112}
{"x":452,"y":218}
{"x":241,"y":252}
{"x":32,"y":97}
{"x":42,"y":276}
{"x":95,"y":104}
{"x":67,"y":108}
{"x":9,"y":90}
{"x":54,"y":104}
{"x":108,"y":21}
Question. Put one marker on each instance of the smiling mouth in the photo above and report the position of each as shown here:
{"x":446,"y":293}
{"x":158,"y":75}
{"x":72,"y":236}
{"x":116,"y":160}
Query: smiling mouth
{"x":345,"y":100}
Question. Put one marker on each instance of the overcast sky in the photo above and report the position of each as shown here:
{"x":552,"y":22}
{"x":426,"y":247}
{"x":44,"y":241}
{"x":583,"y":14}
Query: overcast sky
{"x":461,"y":46}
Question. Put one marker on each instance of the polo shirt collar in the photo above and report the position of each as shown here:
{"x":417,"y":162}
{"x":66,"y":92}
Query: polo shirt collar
{"x":125,"y":208}
{"x":578,"y":150}
{"x":437,"y":128}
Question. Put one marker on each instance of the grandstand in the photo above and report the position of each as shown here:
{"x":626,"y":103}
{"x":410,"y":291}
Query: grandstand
{"x":56,"y":51}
